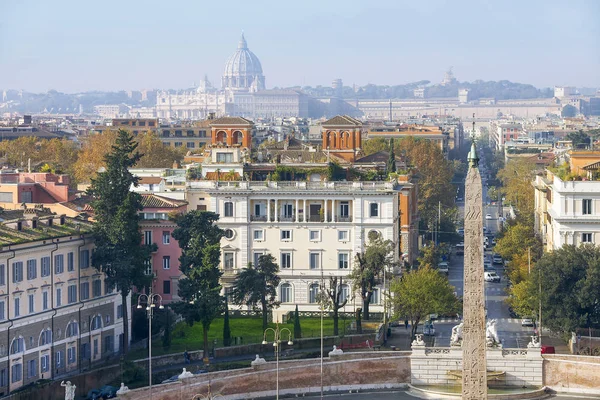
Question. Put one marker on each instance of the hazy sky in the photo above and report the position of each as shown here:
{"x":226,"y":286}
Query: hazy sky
{"x":78,"y":45}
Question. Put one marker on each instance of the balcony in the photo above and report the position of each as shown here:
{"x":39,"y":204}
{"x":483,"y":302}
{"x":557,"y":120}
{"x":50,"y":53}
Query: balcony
{"x":287,"y":218}
{"x":315,"y":218}
{"x":343,"y":218}
{"x":262,"y":218}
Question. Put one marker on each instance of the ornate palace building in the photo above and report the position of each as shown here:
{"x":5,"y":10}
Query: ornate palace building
{"x":243,"y":94}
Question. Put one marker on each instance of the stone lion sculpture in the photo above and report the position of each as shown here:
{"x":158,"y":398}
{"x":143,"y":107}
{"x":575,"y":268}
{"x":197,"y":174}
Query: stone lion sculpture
{"x":491,"y":334}
{"x":258,"y":361}
{"x":456,"y":338}
{"x":418,"y":340}
{"x":185,"y":374}
{"x":335,"y":351}
{"x":534,"y":343}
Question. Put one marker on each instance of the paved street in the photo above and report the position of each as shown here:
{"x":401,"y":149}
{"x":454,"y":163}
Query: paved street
{"x":402,"y":395}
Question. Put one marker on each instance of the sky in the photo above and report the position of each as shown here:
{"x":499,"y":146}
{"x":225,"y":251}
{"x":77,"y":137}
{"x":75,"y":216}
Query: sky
{"x":80,"y":45}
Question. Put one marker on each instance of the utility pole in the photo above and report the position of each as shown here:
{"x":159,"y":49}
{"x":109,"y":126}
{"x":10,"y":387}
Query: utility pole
{"x":529,"y":260}
{"x":437,"y":236}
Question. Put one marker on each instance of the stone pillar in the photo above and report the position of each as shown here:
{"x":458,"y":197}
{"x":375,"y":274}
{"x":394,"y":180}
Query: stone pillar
{"x":474,"y":384}
{"x":325,"y":211}
{"x":296,"y":210}
{"x":269,"y":210}
{"x":277,"y":211}
{"x":304,"y":211}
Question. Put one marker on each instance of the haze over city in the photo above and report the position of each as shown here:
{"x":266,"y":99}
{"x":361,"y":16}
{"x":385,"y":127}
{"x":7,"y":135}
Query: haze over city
{"x":74,"y":46}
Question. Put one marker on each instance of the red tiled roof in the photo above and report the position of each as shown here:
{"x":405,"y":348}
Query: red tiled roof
{"x":150,"y":180}
{"x":154,"y":201}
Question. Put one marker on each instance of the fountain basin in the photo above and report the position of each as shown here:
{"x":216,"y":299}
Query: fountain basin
{"x":455,"y":392}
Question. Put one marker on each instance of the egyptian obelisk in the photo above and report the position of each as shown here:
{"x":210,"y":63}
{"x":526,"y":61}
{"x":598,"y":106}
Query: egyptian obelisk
{"x":474,"y":383}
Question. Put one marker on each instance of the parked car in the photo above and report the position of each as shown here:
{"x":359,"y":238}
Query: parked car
{"x":491,"y":276}
{"x":497,"y":259}
{"x":488,"y":216}
{"x":548,"y":350}
{"x":443,"y":267}
{"x":429,"y":329}
{"x":527,"y":322}
{"x":487,"y":266}
{"x":512,"y":313}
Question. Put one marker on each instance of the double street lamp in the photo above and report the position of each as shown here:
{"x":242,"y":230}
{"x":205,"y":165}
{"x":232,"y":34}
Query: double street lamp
{"x":277,"y":332}
{"x":151,"y":300}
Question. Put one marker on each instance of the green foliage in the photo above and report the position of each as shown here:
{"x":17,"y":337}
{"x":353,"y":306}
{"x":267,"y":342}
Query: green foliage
{"x":369,"y":267}
{"x":516,"y":239}
{"x":333,"y":172}
{"x":200,"y":240}
{"x":580,"y":139}
{"x":570,"y":283}
{"x":516,"y":177}
{"x":422,"y":292}
{"x":568,"y":111}
{"x":391,"y":163}
{"x":297,"y":327}
{"x":118,"y":250}
{"x":430,"y":256}
{"x":257,"y":285}
{"x":194,"y":173}
{"x":226,"y":328}
{"x":167,"y":320}
{"x":333,"y":299}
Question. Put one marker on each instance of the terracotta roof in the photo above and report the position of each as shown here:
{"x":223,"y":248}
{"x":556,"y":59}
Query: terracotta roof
{"x":154,"y":201}
{"x":81,"y":204}
{"x":232,"y":121}
{"x":150,"y":180}
{"x":342,"y":120}
{"x":380,"y":156}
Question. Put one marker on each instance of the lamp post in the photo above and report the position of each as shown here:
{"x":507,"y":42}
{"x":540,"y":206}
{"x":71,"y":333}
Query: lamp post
{"x":277,"y":332}
{"x":207,"y":396}
{"x":151,"y":299}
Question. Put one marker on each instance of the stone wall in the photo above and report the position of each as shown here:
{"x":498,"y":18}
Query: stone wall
{"x":350,"y":370}
{"x":570,"y":373}
{"x":439,"y":366}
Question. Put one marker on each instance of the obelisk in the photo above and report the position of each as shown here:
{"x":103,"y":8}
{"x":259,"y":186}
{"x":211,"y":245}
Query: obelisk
{"x":474,"y":384}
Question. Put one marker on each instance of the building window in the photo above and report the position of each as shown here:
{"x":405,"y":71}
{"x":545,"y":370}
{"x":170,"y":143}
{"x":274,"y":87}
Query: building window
{"x":45,"y":337}
{"x":18,"y":345}
{"x":84,"y":259}
{"x":343,"y":236}
{"x":257,"y":256}
{"x":344,"y":209}
{"x":287,"y":211}
{"x":96,"y":322}
{"x":58,"y":356}
{"x":148,"y":264}
{"x":313,"y":293}
{"x":58,"y":297}
{"x":375,"y":296}
{"x":586,"y":238}
{"x":285,"y":295}
{"x":190,"y":145}
{"x":259,"y":235}
{"x":343,"y":260}
{"x":587,"y":206}
{"x":374,"y":210}
{"x":31,"y":269}
{"x":166,"y":287}
{"x":31,"y":368}
{"x":314,"y":260}
{"x":84,"y":290}
{"x":286,"y":260}
{"x":72,"y":329}
{"x":224,"y":157}
{"x":147,"y":238}
{"x":228,"y":208}
{"x":45,"y":266}
{"x":108,"y":344}
{"x":72,"y":294}
{"x":229,"y":233}
{"x":17,"y":304}
{"x":166,"y":237}
{"x":31,"y":299}
{"x":45,"y":300}
{"x":228,"y":258}
{"x":4,"y":377}
{"x":59,"y":263}
{"x":314,"y":236}
{"x":2,"y":311}
{"x":71,"y":355}
{"x":286,"y":235}
{"x":344,"y":292}
{"x":166,"y":262}
{"x":2,"y":275}
{"x":17,"y":272}
{"x":120,"y":311}
{"x":178,"y":144}
{"x":70,"y":263}
{"x":16,"y":373}
{"x":97,"y":288}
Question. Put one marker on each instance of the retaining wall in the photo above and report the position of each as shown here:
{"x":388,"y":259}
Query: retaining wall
{"x":570,"y":373}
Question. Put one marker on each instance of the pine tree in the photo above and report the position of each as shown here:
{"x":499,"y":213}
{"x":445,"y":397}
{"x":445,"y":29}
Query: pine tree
{"x":226,"y":329}
{"x":391,"y":163}
{"x":118,"y":250}
{"x":200,"y":240}
{"x":297,"y":327}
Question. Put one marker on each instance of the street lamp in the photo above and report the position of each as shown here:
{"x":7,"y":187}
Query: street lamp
{"x":151,"y":299}
{"x":207,"y":396}
{"x":277,"y":332}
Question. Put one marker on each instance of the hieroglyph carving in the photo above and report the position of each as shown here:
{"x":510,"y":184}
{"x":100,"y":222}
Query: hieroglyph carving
{"x":474,"y":344}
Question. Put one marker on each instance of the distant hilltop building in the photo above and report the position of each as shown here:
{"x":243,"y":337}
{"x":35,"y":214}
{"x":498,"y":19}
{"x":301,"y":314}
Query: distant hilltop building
{"x":449,"y":78}
{"x":563,"y":91}
{"x":243,"y":93}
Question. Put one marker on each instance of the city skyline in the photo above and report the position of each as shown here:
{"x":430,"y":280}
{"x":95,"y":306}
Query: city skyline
{"x":74,"y":47}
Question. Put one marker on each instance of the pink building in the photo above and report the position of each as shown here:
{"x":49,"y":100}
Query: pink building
{"x":157,"y":228}
{"x":34,"y":187}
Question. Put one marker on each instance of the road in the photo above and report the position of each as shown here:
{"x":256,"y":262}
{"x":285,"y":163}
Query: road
{"x":510,"y":331}
{"x":403,"y":395}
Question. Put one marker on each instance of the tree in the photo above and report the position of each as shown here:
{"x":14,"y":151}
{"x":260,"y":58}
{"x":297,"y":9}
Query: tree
{"x":200,"y":240}
{"x":431,"y":255}
{"x":516,"y":240}
{"x":568,"y":111}
{"x":579,"y":139}
{"x":570,"y":283}
{"x":226,"y":328}
{"x":257,"y":284}
{"x":369,"y":267}
{"x":334,"y":300}
{"x":167,"y":317}
{"x":92,"y":155}
{"x":118,"y":250}
{"x":391,"y":163}
{"x":516,"y":177}
{"x":297,"y":327}
{"x":422,"y":292}
{"x":156,"y":154}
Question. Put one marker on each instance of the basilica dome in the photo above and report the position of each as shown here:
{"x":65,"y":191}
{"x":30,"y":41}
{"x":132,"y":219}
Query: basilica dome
{"x":243,"y":71}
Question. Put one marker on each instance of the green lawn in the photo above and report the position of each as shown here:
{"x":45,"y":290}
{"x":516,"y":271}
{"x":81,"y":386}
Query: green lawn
{"x":248,"y":328}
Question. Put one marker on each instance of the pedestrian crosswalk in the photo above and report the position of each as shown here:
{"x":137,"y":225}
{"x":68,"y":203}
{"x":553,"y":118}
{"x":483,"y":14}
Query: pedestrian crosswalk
{"x":458,"y":321}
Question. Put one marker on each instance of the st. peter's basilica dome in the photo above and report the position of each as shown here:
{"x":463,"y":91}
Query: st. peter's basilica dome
{"x":243,"y":71}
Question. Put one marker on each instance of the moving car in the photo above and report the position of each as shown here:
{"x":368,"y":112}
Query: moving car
{"x":461,"y":232}
{"x":487,"y":266}
{"x":443,"y":267}
{"x":488,"y":216}
{"x":497,"y":259}
{"x":527,"y":322}
{"x":491,"y":276}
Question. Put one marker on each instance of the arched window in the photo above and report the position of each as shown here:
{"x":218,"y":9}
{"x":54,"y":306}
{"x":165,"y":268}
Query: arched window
{"x":313,"y":293}
{"x":222,"y":137}
{"x":96,"y":322}
{"x":45,"y":337}
{"x":237,"y":137}
{"x":72,"y":329}
{"x":17,"y":345}
{"x":285,"y":293}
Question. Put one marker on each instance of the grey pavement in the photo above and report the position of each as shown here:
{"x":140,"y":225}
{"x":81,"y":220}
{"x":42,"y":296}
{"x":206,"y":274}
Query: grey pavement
{"x":403,"y":395}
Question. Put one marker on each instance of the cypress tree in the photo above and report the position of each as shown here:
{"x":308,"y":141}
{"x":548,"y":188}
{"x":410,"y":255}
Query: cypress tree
{"x":297,"y":328}
{"x":391,"y":163}
{"x":226,"y":329}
